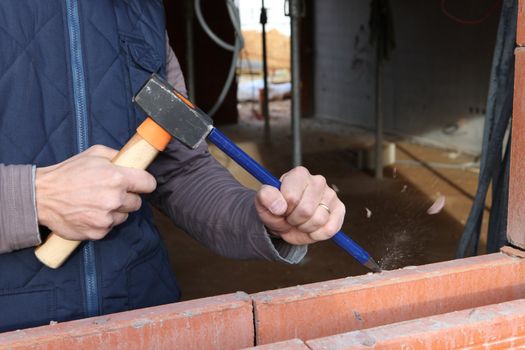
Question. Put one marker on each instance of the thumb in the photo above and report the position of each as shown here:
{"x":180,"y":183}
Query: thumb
{"x":271,"y":199}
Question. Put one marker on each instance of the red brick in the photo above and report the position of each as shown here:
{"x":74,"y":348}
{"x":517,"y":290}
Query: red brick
{"x":516,"y":209}
{"x":520,"y":35}
{"x":222,"y":322}
{"x":334,"y":307}
{"x":293,"y":344}
{"x":500,"y":326}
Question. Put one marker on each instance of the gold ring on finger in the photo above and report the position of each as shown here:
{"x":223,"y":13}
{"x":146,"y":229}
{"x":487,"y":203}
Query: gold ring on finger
{"x":322,"y":205}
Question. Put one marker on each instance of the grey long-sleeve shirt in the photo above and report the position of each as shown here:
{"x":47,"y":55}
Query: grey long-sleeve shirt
{"x":198,"y":194}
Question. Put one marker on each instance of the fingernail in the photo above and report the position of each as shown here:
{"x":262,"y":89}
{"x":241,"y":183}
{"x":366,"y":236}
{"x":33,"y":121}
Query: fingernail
{"x":278,"y":207}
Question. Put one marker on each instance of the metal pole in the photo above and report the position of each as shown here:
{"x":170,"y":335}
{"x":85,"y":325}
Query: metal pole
{"x":190,"y":50}
{"x":379,"y":113}
{"x":295,"y":13}
{"x":265,"y":102}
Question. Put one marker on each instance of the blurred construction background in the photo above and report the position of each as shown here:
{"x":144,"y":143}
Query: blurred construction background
{"x":423,"y":94}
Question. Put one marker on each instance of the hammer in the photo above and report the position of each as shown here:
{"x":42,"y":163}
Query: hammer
{"x":172,"y":112}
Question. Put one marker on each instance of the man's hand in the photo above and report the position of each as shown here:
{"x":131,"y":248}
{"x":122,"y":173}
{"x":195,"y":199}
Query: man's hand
{"x":304,"y":211}
{"x":85,"y":196}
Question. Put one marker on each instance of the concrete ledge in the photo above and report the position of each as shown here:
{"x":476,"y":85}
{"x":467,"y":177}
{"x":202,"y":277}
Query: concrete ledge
{"x":500,"y":326}
{"x":338,"y":306}
{"x":222,"y":322}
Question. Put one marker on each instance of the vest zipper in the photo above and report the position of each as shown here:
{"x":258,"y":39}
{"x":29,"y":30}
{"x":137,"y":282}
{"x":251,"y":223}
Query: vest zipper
{"x":80,"y":105}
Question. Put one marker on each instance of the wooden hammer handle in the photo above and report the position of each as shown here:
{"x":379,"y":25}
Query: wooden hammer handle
{"x":137,"y":153}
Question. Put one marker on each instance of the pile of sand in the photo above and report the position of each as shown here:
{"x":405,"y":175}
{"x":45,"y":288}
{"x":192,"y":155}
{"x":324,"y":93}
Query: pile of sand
{"x":278,"y":46}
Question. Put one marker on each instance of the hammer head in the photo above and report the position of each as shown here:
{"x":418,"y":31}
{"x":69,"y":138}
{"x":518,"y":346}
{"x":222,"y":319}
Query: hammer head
{"x":173,"y":112}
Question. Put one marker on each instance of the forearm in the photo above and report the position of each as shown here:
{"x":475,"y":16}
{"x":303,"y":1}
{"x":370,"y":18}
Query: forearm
{"x":18,"y":217}
{"x":203,"y":199}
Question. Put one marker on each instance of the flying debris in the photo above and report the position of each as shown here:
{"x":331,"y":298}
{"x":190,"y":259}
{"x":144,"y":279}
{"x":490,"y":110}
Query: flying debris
{"x":438,"y":205}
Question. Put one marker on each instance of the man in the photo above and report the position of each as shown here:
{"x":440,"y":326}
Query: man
{"x":68,"y":70}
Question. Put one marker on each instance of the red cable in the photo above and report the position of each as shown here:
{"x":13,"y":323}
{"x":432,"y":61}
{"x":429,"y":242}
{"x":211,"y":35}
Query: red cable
{"x":480,"y":20}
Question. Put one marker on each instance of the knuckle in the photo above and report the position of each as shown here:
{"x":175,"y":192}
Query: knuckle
{"x":322,"y":235}
{"x":319,"y":221}
{"x":133,"y":203}
{"x":340,"y":209}
{"x":305,"y":211}
{"x":265,"y":194}
{"x":140,"y":181}
{"x":319,"y":180}
{"x":153,"y":183}
{"x":91,"y":150}
{"x":283,"y":176}
{"x":291,"y":198}
{"x":100,"y":235}
{"x":105,"y":223}
{"x":116,"y":177}
{"x":262,"y":193}
{"x":111,"y":202}
{"x":326,"y":235}
{"x":312,"y":225}
{"x":97,"y":234}
{"x":301,"y":171}
{"x":331,"y":228}
{"x":343,"y":208}
{"x":262,"y":197}
{"x":138,"y":203}
{"x":330,"y":194}
{"x":121,"y":218}
{"x":96,"y":148}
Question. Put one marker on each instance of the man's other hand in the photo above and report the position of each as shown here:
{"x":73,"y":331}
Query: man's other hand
{"x":304,"y":211}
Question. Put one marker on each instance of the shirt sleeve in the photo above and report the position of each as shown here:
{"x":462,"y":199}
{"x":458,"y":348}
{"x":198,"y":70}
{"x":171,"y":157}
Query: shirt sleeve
{"x":204,"y":199}
{"x":173,"y":70}
{"x":18,"y":218}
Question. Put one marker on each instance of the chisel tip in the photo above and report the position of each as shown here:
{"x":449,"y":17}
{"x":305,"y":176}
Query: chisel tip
{"x":372,"y":265}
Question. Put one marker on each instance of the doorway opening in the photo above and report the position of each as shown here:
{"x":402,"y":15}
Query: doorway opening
{"x":250,"y":68}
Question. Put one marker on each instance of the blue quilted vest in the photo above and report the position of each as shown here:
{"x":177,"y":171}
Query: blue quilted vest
{"x":68,"y":71}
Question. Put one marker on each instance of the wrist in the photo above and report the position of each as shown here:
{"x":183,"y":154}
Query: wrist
{"x":41,"y":189}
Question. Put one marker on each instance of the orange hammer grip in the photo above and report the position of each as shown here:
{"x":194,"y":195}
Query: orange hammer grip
{"x":154,"y":134}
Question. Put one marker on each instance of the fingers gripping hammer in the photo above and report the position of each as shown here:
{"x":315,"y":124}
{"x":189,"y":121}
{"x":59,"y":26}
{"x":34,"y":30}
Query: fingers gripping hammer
{"x":138,"y":153}
{"x":185,"y":122}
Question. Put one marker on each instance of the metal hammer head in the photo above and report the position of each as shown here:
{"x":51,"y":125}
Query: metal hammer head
{"x":173,"y":112}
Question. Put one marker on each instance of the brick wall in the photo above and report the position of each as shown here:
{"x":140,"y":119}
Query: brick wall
{"x":471,"y":301}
